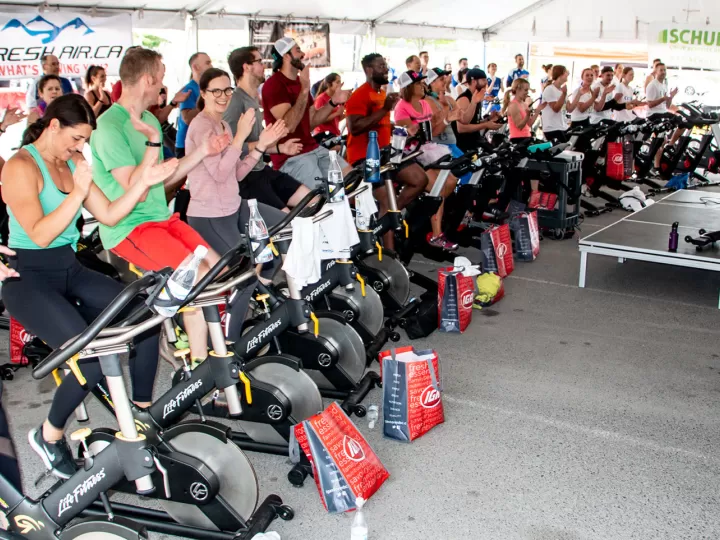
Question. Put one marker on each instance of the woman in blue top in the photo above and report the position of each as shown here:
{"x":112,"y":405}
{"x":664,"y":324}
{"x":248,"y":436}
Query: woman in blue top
{"x":45,"y":186}
{"x":494,"y":87}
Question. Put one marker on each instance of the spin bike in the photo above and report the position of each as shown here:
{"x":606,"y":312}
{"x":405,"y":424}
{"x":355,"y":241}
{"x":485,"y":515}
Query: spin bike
{"x":130,"y":458}
{"x":275,"y":393}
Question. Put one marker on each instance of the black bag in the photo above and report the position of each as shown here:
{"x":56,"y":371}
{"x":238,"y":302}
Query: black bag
{"x":423,"y":321}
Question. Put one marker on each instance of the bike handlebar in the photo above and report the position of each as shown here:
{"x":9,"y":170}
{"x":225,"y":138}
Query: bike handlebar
{"x":61,"y":355}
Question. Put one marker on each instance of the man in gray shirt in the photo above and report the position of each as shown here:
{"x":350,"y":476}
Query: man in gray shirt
{"x":265,"y":184}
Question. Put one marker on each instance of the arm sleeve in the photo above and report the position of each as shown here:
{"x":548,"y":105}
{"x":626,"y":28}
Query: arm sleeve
{"x":321,"y":101}
{"x":30,"y":99}
{"x":355,"y":105}
{"x":402,"y":112}
{"x":651,"y":92}
{"x":245,"y":165}
{"x":113,"y":148}
{"x":220,"y":167}
{"x":191,"y":101}
{"x":275,"y":94}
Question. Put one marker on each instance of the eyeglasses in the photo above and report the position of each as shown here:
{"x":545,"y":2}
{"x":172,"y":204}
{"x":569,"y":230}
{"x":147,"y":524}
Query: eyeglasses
{"x":218,"y":92}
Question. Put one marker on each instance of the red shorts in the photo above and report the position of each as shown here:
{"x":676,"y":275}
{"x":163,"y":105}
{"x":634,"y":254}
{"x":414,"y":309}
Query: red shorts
{"x":155,"y":245}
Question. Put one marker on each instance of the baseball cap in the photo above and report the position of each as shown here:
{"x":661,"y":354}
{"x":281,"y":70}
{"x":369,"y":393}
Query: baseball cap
{"x":436,"y":73}
{"x":475,"y":74}
{"x":283,"y":45}
{"x":409,"y":77}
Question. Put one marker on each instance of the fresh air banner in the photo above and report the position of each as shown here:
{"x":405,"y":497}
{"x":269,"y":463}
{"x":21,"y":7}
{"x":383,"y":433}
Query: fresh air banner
{"x":685,"y":45}
{"x":78,"y":40}
{"x":313,"y":39}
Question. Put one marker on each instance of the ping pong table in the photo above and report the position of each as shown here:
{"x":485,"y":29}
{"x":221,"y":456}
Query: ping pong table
{"x":644,"y":235}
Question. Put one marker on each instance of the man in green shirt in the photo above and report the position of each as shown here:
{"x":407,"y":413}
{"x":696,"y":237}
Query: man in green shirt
{"x":128,"y":139}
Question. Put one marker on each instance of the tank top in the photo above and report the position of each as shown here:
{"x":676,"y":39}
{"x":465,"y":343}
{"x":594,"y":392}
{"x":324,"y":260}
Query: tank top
{"x":447,"y":136}
{"x":516,"y":133}
{"x":469,"y":141}
{"x":104,"y":107}
{"x":50,"y":198}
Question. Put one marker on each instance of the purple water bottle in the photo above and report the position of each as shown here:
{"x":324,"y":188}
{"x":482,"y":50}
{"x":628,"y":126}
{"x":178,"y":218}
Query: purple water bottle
{"x":673,"y":243}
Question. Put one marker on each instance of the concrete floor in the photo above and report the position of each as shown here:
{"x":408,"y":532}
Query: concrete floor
{"x":570,"y":414}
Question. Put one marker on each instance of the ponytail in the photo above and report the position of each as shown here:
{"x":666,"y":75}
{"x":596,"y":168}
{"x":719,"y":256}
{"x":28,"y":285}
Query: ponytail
{"x":33,"y":131}
{"x":69,"y":110}
{"x":506,"y":102}
{"x":326,"y":82}
{"x":200,"y":103}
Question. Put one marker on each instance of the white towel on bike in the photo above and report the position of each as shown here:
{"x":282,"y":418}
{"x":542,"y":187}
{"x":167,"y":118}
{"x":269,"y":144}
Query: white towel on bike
{"x":339,"y":234}
{"x":302,"y":262}
{"x":365,"y":203}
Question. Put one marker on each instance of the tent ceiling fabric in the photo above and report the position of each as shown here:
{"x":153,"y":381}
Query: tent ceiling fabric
{"x":509,"y":20}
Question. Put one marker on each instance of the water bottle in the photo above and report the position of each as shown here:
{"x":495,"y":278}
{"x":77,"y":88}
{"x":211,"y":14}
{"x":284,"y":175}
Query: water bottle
{"x":359,"y":530}
{"x":181,"y":282}
{"x":336,"y":184}
{"x":372,"y":159}
{"x":673,"y":242}
{"x":399,"y":138}
{"x":372,"y":416}
{"x":257,"y":230}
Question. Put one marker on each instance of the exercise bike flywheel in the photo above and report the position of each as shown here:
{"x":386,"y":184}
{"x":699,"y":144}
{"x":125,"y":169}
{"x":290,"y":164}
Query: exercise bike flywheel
{"x":351,"y":351}
{"x":296,"y":386}
{"x":369,"y":307}
{"x":398,"y":277}
{"x":238,"y":482}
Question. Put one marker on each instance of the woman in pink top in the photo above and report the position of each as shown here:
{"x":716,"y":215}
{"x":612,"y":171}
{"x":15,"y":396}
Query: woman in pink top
{"x":413,"y":112}
{"x":216,"y":210}
{"x":520,"y":118}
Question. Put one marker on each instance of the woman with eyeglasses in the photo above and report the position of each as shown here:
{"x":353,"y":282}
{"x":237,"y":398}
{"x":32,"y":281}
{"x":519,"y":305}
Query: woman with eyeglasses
{"x":216,"y":209}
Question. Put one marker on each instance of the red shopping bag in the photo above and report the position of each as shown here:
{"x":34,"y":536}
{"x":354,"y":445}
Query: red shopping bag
{"x":412,"y":393}
{"x":455,"y":300}
{"x":614,"y":167}
{"x":344,"y":465}
{"x":542,"y":200}
{"x":18,"y":338}
{"x":496,"y":248}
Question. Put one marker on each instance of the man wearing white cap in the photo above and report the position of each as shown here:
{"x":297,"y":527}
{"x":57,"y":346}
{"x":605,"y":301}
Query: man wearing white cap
{"x":286,"y":96}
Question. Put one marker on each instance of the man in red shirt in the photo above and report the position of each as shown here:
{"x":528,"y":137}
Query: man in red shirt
{"x":368,"y":109}
{"x":286,"y":96}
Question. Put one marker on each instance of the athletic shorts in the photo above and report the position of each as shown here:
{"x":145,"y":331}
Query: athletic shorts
{"x":157,"y":244}
{"x":310,"y":166}
{"x":269,"y":186}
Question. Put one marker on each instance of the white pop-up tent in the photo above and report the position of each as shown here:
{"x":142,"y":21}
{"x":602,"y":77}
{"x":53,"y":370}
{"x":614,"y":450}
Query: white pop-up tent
{"x":508,"y":20}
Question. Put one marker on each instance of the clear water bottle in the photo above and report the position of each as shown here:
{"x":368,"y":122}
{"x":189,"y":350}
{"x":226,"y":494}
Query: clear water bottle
{"x":257,"y":230}
{"x":359,"y":529}
{"x":181,"y":282}
{"x":373,"y":413}
{"x":336,"y":184}
{"x":362,"y":220}
{"x":372,"y":159}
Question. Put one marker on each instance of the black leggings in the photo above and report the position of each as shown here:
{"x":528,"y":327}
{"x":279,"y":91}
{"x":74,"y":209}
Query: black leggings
{"x":555,"y":137}
{"x":56,"y":298}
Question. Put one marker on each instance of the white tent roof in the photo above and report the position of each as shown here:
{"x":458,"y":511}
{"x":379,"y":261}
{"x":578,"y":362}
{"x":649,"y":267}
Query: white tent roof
{"x":506,"y":20}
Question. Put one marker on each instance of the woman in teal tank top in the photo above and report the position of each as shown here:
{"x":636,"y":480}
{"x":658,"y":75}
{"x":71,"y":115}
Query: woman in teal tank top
{"x":45,"y":186}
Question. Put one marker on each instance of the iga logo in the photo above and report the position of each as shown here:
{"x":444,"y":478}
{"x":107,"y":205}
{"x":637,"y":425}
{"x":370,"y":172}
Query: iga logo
{"x":467,"y":299}
{"x":25,"y":336}
{"x":430,"y":397}
{"x":502,"y":250}
{"x":353,"y":450}
{"x":617,"y":159}
{"x":40,"y":26}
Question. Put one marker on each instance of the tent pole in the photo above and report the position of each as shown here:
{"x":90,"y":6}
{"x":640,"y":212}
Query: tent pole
{"x":372,"y":36}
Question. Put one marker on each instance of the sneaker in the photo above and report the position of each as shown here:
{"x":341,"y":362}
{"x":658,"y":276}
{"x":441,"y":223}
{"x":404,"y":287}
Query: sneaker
{"x":56,"y":456}
{"x":442,"y":242}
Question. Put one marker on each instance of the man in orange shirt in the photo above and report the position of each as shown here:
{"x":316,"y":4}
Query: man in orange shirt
{"x":368,"y":109}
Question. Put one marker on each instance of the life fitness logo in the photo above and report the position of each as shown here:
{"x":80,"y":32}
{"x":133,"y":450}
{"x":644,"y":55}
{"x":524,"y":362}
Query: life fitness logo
{"x":617,"y":159}
{"x":430,"y":397}
{"x":353,"y":449}
{"x":467,"y":299}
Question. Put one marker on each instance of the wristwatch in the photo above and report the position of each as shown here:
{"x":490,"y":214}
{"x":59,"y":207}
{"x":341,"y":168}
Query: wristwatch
{"x":173,"y":104}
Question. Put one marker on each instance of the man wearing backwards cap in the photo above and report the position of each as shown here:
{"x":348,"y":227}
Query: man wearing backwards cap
{"x":470,"y":102}
{"x":286,"y":96}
